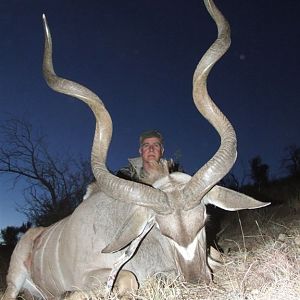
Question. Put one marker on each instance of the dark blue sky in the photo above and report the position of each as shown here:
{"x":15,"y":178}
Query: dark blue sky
{"x":139,"y":57}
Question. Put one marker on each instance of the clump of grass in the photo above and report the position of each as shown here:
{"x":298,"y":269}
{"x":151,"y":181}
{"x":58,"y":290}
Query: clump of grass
{"x":269,"y":272}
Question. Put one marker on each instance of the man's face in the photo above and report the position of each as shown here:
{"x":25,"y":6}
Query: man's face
{"x":151,"y":149}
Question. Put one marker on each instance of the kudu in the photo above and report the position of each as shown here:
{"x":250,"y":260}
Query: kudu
{"x":116,"y":214}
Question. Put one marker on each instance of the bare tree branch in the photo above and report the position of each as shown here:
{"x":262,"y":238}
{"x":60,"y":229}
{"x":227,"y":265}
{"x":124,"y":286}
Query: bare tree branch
{"x":291,"y":161}
{"x":53,"y":185}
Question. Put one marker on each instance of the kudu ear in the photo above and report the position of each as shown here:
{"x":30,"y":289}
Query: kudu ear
{"x":133,"y":226}
{"x":231,"y":200}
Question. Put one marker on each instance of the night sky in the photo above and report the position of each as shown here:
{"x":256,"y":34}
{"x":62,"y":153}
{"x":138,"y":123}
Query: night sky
{"x":139,"y":57}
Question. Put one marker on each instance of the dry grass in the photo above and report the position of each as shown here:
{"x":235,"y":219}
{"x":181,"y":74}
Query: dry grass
{"x":261,"y":262}
{"x":272,"y":271}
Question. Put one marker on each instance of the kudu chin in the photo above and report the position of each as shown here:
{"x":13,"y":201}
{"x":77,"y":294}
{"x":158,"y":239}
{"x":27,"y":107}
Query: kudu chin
{"x":155,"y":229}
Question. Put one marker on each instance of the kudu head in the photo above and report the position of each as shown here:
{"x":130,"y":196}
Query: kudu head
{"x":177,"y":201}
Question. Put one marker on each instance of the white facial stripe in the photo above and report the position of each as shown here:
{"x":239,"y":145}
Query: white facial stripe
{"x":188,"y":252}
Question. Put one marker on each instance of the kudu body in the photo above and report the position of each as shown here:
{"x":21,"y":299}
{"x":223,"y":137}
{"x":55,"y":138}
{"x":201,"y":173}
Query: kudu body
{"x":81,"y":249}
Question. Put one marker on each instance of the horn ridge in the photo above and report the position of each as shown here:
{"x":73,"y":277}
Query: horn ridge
{"x":222,"y":161}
